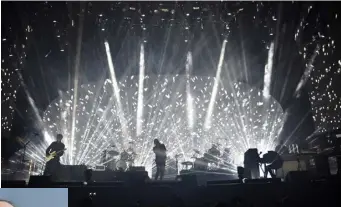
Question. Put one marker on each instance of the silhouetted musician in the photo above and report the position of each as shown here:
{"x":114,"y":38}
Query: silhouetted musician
{"x":160,"y":158}
{"x":52,"y":167}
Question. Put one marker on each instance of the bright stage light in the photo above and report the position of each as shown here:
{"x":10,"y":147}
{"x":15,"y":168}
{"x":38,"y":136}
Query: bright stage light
{"x":237,"y":121}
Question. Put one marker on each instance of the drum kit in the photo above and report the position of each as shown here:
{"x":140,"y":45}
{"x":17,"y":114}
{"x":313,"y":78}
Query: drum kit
{"x":208,"y":161}
{"x":119,"y":161}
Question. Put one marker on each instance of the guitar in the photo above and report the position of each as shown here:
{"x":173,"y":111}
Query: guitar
{"x":53,"y":154}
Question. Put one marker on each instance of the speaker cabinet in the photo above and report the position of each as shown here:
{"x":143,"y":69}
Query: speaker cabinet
{"x":298,"y":177}
{"x":40,"y":181}
{"x":13,"y":184}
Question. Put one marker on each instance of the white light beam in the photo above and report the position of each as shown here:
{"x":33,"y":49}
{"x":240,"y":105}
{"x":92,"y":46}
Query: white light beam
{"x":140,"y":94}
{"x":116,"y":92}
{"x":307,"y":72}
{"x":190,"y":113}
{"x":207,"y":124}
{"x":75,"y":83}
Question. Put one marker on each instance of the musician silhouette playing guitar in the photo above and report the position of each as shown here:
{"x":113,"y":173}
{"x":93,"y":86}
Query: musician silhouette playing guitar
{"x":53,"y":154}
{"x":160,"y":158}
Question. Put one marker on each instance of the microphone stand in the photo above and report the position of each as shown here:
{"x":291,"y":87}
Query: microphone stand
{"x":176,"y":162}
{"x":42,"y":168}
{"x":21,"y":167}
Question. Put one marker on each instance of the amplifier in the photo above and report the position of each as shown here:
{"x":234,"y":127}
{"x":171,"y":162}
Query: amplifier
{"x":251,"y":166}
{"x":190,"y":179}
{"x":39,"y":181}
{"x":72,"y":172}
{"x":13,"y":183}
{"x":132,"y":177}
{"x":101,"y":176}
{"x":290,"y":166}
{"x":298,"y":177}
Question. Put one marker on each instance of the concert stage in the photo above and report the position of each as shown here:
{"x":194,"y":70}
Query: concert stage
{"x":186,"y":193}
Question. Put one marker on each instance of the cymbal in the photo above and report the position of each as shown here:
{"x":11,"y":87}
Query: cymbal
{"x":113,"y":153}
{"x":327,"y":149}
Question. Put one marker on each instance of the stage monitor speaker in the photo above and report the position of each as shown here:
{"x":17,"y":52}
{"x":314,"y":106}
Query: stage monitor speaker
{"x":106,"y":184}
{"x":136,"y":177}
{"x":40,"y":181}
{"x":13,"y":184}
{"x":263,"y":180}
{"x":223,"y":182}
{"x":189,"y":179}
{"x":72,"y":172}
{"x":67,"y":184}
{"x":168,"y":183}
{"x":298,"y":177}
{"x":102,"y":176}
